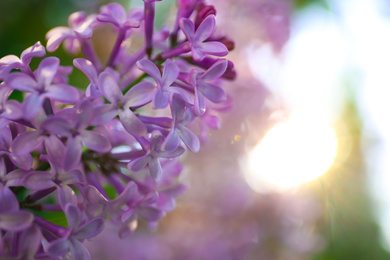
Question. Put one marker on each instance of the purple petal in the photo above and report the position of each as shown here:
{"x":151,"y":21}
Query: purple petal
{"x":12,"y":110}
{"x":90,"y":229}
{"x":109,"y":88}
{"x":21,"y":82}
{"x":155,"y":169}
{"x":150,"y":68}
{"x":94,"y":196}
{"x":190,"y":139}
{"x":47,"y":70}
{"x":8,"y":201}
{"x":103,"y":114}
{"x":95,"y":141}
{"x":37,"y":50}
{"x":72,"y":153}
{"x":205,"y":29}
{"x":32,"y":105}
{"x":199,"y":104}
{"x":58,"y":247}
{"x":26,"y":142}
{"x":215,"y":71}
{"x":140,"y":94}
{"x":128,"y":194}
{"x":24,"y":162}
{"x":197,"y":54}
{"x":72,"y":177}
{"x":56,"y":36}
{"x":150,"y":214}
{"x":132,"y":123}
{"x":170,"y":73}
{"x":56,"y":125}
{"x":66,"y":196}
{"x":139,"y":163}
{"x":30,"y":241}
{"x":160,"y":100}
{"x":73,"y":215}
{"x":112,"y":13}
{"x":188,"y":28}
{"x":87,"y":68}
{"x":172,"y":154}
{"x":37,"y":180}
{"x":214,"y":48}
{"x":213,"y":92}
{"x":15,"y":178}
{"x":16,"y":221}
{"x":63,"y":93}
{"x":78,"y":250}
{"x":55,"y":150}
{"x":171,"y":141}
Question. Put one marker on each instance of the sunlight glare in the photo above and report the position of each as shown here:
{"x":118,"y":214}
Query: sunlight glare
{"x":293,"y":152}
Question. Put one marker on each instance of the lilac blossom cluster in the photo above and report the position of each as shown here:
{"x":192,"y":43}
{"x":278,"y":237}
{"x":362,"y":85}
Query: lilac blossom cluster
{"x":73,"y":158}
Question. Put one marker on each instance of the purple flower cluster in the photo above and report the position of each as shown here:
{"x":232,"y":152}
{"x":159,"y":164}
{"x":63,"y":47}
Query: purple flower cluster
{"x":72,"y":158}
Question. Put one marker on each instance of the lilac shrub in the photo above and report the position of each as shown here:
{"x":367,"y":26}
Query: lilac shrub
{"x":72,"y":159}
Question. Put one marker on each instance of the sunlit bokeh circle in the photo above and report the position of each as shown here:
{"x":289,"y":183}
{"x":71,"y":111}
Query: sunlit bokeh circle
{"x":293,"y":152}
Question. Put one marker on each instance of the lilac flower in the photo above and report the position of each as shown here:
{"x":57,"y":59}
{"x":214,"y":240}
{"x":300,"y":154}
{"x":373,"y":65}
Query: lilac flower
{"x":73,"y":125}
{"x":24,"y":161}
{"x":203,"y":86}
{"x":164,"y":82}
{"x":197,"y":43}
{"x":41,"y":87}
{"x":11,"y":62}
{"x":90,"y":71}
{"x":120,"y":105}
{"x":81,"y":28}
{"x":77,"y":231}
{"x":9,"y":109}
{"x":11,"y":218}
{"x":151,"y":158}
{"x":115,"y":14}
{"x":182,"y":116}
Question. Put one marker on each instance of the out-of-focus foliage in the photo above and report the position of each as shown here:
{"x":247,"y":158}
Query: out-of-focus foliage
{"x":298,"y":4}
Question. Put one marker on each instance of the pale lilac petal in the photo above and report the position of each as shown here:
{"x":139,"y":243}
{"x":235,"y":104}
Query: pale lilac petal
{"x":72,"y":177}
{"x":37,"y":50}
{"x":16,"y":221}
{"x":9,"y":59}
{"x":128,"y":194}
{"x":95,"y":141}
{"x":113,"y":13}
{"x":190,"y":139}
{"x":56,"y":125}
{"x":215,"y":71}
{"x":24,"y":162}
{"x":140,"y":94}
{"x":66,"y":196}
{"x":47,"y":69}
{"x":8,"y":201}
{"x":15,"y":178}
{"x":78,"y":250}
{"x":199,"y":104}
{"x":139,"y":163}
{"x":32,"y":105}
{"x":187,"y":97}
{"x":58,"y":247}
{"x":26,"y":142}
{"x":87,"y":68}
{"x":39,"y":180}
{"x":132,"y":123}
{"x":170,"y":73}
{"x":171,"y":141}
{"x":90,"y":229}
{"x":22,"y":82}
{"x":160,"y":100}
{"x":150,"y":68}
{"x":197,"y":54}
{"x":62,"y":93}
{"x":55,"y":149}
{"x":72,"y":153}
{"x":73,"y":215}
{"x":30,"y":241}
{"x":150,"y":214}
{"x":205,"y":29}
{"x":213,"y":122}
{"x":103,"y":114}
{"x":12,"y":110}
{"x":188,"y":28}
{"x":172,"y":154}
{"x":56,"y":36}
{"x":213,"y":92}
{"x":109,"y":88}
{"x":214,"y":48}
{"x":94,"y":196}
{"x":155,"y":169}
